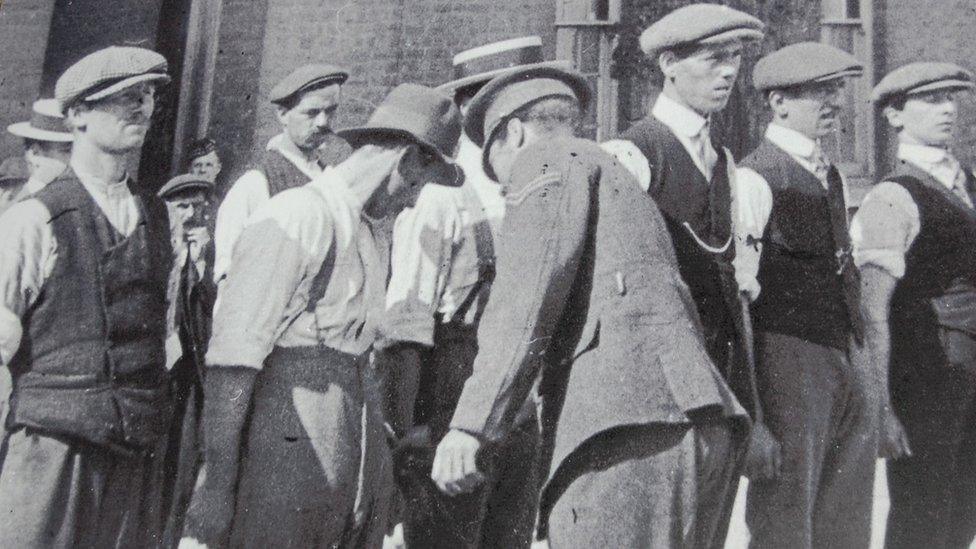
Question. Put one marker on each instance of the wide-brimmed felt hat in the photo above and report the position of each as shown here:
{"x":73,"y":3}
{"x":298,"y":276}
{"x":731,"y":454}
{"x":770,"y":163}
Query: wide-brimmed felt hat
{"x":481,"y":64}
{"x":507,"y":93}
{"x":108,"y":71}
{"x":700,"y":24}
{"x":921,"y":77}
{"x":185,"y":182}
{"x":803,"y":63}
{"x":46,"y":123}
{"x":417,"y":113}
{"x":305,"y":78}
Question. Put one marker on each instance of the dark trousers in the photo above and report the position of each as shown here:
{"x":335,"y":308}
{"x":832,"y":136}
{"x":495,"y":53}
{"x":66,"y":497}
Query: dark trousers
{"x":933,"y":493}
{"x":650,"y":486}
{"x":183,"y":455}
{"x":502,"y":512}
{"x":818,"y":404}
{"x":60,"y":493}
{"x":315,"y":468}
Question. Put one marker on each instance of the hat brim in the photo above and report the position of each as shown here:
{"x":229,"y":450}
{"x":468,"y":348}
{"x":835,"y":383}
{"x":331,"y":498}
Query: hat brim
{"x":126,"y":83}
{"x":165,"y":193}
{"x":356,"y":137}
{"x":818,"y":80}
{"x":25,"y":130}
{"x":731,"y":35}
{"x":952,"y":84}
{"x":484,"y":77}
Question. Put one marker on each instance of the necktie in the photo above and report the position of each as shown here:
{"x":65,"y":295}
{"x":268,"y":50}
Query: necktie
{"x":706,"y":152}
{"x":821,"y":165}
{"x":953,"y":172}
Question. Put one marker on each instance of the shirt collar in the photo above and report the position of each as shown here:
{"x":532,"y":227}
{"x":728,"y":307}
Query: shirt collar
{"x":286,"y":148}
{"x":679,"y":118}
{"x":113,"y":189}
{"x":921,"y":155}
{"x":792,"y":141}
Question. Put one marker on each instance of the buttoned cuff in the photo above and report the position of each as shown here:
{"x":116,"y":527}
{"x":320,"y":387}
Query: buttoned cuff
{"x":11,"y":332}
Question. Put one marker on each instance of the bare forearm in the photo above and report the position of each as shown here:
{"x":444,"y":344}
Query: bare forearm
{"x":877,"y":287}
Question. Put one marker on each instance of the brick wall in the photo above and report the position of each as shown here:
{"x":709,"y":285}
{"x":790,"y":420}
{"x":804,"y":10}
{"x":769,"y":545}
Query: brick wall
{"x":909,"y":33}
{"x":23,"y":36}
{"x":382,"y":42}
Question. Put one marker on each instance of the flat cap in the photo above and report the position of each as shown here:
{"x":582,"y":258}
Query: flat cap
{"x":185,"y":182}
{"x":417,"y":113}
{"x":920,"y":77}
{"x":46,"y":123}
{"x":700,"y":24}
{"x":306,"y":77}
{"x":507,"y":93}
{"x":107,"y":71}
{"x":803,"y":63}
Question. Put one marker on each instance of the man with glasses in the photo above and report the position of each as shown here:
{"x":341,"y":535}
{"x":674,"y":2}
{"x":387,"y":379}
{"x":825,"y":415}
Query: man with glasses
{"x":814,"y":445}
{"x":81,"y":325}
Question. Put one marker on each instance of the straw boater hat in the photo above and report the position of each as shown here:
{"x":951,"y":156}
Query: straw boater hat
{"x":46,"y":123}
{"x":481,"y":64}
{"x":417,"y":113}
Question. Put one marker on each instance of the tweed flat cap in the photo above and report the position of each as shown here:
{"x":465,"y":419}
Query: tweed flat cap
{"x":305,"y":78}
{"x":921,"y":77}
{"x":185,"y":182}
{"x":505,"y":94}
{"x":700,"y":24}
{"x":46,"y":123}
{"x":107,"y":71}
{"x":420,"y":114}
{"x":803,"y":63}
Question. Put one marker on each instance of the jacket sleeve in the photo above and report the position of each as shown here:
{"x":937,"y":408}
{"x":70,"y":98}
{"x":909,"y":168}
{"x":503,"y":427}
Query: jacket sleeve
{"x":539,"y":253}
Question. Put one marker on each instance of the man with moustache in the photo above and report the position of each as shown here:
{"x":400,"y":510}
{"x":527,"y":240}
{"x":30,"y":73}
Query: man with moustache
{"x":811,"y":483}
{"x":305,"y":103}
{"x":699,"y":50}
{"x":442,"y":268}
{"x":609,"y":323}
{"x":295,"y":452}
{"x":915,"y":242}
{"x":81,"y":325}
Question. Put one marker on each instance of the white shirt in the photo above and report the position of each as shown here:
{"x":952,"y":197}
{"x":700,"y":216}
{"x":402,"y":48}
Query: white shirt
{"x":488,"y":191}
{"x":28,"y":250}
{"x":754,"y":203}
{"x":686,"y":125}
{"x":263,"y":302}
{"x":886,"y":224}
{"x":244,"y":197}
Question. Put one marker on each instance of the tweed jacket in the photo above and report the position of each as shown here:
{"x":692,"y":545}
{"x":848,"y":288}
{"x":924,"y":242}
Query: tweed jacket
{"x":587,"y":290}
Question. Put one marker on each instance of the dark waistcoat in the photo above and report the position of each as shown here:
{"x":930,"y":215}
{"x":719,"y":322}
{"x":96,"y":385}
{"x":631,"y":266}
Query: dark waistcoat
{"x":810,"y":287}
{"x":90,"y":365}
{"x":280,"y":172}
{"x":941,"y":258}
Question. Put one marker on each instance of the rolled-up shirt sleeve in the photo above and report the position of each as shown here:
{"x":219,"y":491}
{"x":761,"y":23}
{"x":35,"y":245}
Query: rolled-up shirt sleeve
{"x":256,"y":301}
{"x":752,"y":202}
{"x":884,"y":228}
{"x":423,"y":239}
{"x":27,"y":253}
{"x":248,"y":193}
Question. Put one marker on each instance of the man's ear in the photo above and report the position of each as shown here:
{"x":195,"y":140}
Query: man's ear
{"x":515,"y":130}
{"x":667,"y":61}
{"x":75,"y":116}
{"x":282,"y":114}
{"x":894,"y":117}
{"x":777,"y":103}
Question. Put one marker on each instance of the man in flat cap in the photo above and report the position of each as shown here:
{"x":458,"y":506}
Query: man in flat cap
{"x":47,"y":145}
{"x":811,"y":468}
{"x":605,"y":319}
{"x":442,"y":266}
{"x":915,"y":243}
{"x":305,"y":102}
{"x":295,"y":452}
{"x":190,"y":297}
{"x":83,"y":325}
{"x":699,"y":51}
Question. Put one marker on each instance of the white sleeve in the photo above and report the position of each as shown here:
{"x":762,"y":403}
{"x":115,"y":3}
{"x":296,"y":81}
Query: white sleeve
{"x":884,"y":228}
{"x":27,"y":254}
{"x":631,"y":158}
{"x":246,"y":195}
{"x":752,"y":203}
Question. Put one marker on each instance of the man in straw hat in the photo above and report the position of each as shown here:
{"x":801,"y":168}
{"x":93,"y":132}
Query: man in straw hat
{"x":82,"y":328}
{"x":915,"y":243}
{"x":295,"y":452}
{"x":811,"y":468}
{"x":607,"y":321}
{"x":305,"y":103}
{"x":442,"y":266}
{"x":47,"y":144}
